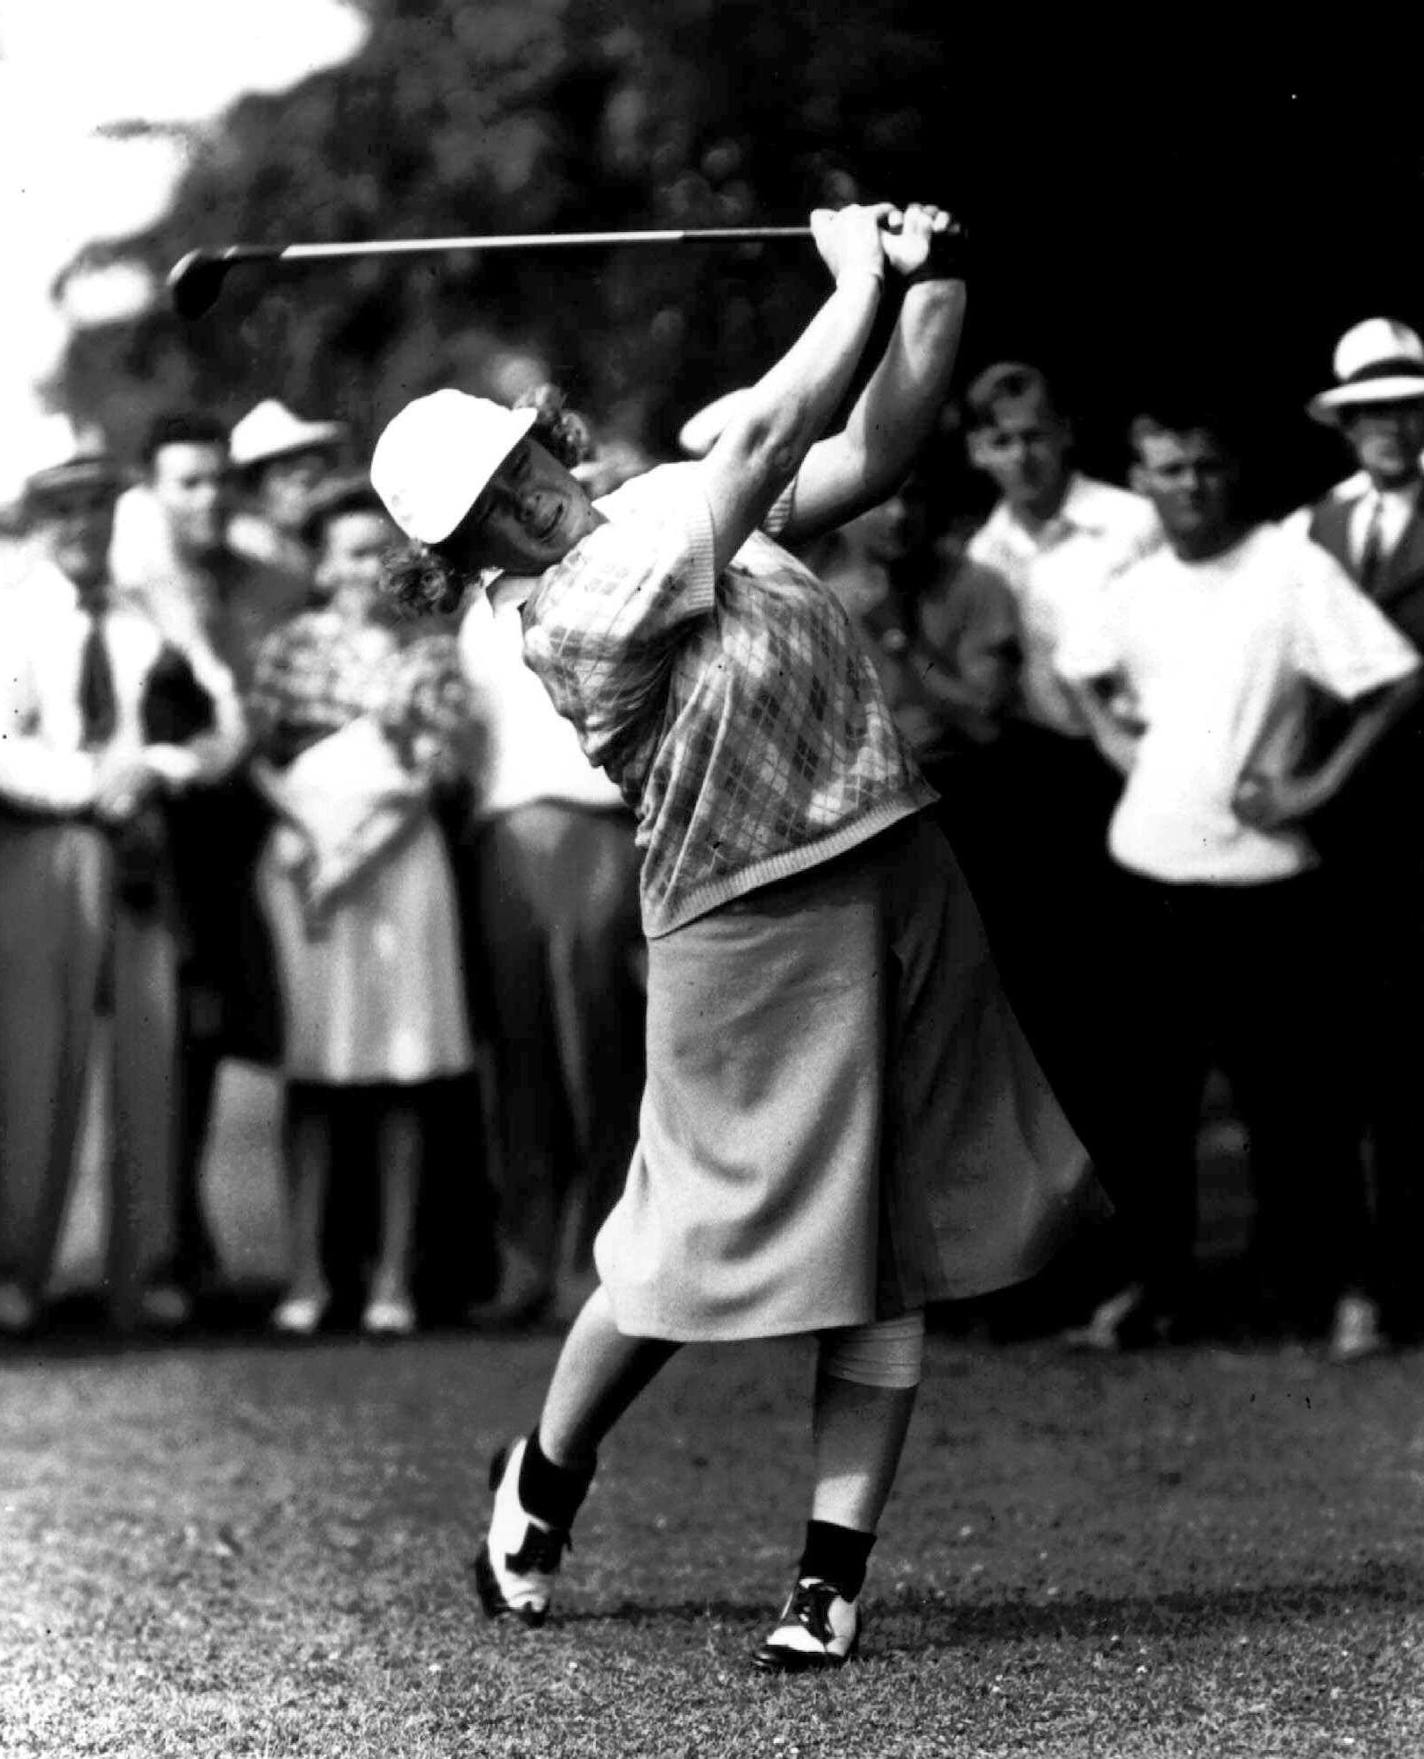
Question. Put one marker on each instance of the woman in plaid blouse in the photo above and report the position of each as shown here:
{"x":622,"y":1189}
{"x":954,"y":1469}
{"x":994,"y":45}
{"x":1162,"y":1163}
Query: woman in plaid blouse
{"x":353,"y":729}
{"x":841,"y":1119}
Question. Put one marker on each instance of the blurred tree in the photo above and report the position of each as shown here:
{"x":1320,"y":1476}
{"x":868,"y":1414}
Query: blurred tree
{"x":1134,"y":200}
{"x":526,"y":115}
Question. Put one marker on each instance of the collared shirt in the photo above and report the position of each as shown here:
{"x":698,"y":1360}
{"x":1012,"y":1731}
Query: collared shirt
{"x":971,"y":623}
{"x":947,"y":660}
{"x":1216,"y":656}
{"x":1398,"y":506}
{"x":738,"y":712}
{"x":530,"y":752}
{"x":1297,"y":523}
{"x":1057,"y":575}
{"x":1388,"y":511}
{"x":43,"y":630}
{"x":225,"y":600}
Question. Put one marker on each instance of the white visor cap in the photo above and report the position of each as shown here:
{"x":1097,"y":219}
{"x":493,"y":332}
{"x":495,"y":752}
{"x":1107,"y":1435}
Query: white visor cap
{"x":434,"y":459}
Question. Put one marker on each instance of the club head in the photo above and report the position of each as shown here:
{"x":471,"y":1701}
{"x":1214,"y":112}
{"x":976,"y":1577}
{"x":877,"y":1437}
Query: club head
{"x":195,"y":282}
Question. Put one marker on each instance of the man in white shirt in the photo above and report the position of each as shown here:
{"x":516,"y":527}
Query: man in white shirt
{"x":1371,"y":838}
{"x":1195,"y":681}
{"x":194,"y":583}
{"x":203,"y":594}
{"x":82,"y":871}
{"x":1032,"y":829}
{"x":1055,"y":535}
{"x":550,"y":883}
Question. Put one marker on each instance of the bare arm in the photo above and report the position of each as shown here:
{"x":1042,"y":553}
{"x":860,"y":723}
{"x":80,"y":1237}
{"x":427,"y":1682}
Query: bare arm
{"x":1114,"y":733}
{"x":857,"y":468}
{"x":1268,"y":802}
{"x":762,"y":447}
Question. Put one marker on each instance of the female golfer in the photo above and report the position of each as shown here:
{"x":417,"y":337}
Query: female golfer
{"x":841,"y":1120}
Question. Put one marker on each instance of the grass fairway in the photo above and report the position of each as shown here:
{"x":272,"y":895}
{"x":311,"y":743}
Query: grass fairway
{"x":242,"y":1550}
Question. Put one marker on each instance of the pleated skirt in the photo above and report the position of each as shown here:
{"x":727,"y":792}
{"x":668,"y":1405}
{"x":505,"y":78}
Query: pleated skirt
{"x":380,"y":995}
{"x":842,"y":1119}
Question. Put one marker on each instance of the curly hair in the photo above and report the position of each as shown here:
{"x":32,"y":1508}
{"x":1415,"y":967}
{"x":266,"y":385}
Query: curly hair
{"x":420,"y":582}
{"x":424,"y":580}
{"x":562,"y":433}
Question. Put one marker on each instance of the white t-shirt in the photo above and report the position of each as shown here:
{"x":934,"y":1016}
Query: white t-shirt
{"x":1056,"y":575}
{"x":1216,"y":656}
{"x":531,"y":753}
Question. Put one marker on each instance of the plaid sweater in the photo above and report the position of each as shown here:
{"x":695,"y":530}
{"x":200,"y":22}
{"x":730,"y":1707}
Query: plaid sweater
{"x":737,"y":713}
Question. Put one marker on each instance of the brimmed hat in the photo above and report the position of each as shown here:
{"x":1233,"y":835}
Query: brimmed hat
{"x":70,"y":455}
{"x":434,"y":459}
{"x":349,"y":493}
{"x":1378,"y":361}
{"x":271,"y":431}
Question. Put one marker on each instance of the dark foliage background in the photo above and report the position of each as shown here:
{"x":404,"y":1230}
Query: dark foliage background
{"x":1149,"y":196}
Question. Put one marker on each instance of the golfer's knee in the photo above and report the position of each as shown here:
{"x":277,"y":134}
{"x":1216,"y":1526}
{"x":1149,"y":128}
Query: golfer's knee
{"x":885,"y":1353}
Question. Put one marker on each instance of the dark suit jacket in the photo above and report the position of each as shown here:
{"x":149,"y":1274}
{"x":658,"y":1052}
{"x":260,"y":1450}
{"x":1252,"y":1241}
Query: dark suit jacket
{"x":1399,"y":587}
{"x":1377,"y":821}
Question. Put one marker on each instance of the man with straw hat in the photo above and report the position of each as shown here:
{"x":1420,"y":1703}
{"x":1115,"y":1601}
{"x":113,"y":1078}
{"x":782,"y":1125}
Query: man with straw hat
{"x":1372,"y":839}
{"x":83,"y":768}
{"x":279,"y":459}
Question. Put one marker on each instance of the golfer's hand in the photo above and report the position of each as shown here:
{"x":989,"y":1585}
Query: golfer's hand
{"x":850,"y":240}
{"x":907,"y":249}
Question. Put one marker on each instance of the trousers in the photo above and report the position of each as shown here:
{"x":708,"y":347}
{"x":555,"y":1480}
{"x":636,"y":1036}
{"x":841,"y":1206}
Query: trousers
{"x":555,"y":949}
{"x":69,"y":944}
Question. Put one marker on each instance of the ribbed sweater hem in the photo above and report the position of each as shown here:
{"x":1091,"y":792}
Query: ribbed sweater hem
{"x":713,"y":893}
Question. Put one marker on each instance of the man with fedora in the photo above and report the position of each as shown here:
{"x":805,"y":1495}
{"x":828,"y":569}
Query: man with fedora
{"x":279,"y":459}
{"x":1373,"y":524}
{"x":84,"y":765}
{"x":1372,"y":839}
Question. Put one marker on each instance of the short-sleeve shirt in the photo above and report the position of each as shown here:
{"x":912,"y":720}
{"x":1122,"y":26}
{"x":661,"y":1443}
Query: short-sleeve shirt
{"x":738,"y":713}
{"x":1216,"y":656}
{"x":1057,"y":574}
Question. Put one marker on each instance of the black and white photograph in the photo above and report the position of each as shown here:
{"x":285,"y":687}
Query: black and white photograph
{"x":711,"y":923}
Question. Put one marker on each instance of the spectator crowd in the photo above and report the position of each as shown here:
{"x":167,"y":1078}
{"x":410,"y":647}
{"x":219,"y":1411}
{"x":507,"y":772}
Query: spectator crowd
{"x":247,"y":812}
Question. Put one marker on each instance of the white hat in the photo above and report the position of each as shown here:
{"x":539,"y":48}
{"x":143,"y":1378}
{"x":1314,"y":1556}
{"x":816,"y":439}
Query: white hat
{"x":272,"y":431}
{"x":1378,"y":361}
{"x":700,"y":433}
{"x":68,"y":454}
{"x":433,"y":459}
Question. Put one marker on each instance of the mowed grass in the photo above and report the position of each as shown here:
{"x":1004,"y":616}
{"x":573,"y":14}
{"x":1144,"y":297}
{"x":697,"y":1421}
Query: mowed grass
{"x":244,"y":1550}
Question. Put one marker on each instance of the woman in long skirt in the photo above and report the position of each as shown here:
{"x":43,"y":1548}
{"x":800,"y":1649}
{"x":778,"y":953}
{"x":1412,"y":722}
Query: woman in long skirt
{"x":354,"y":728}
{"x":842,"y":1120}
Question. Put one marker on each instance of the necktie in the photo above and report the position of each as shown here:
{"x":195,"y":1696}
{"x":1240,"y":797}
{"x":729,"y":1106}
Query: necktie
{"x":1372,"y":550}
{"x":98,"y":700}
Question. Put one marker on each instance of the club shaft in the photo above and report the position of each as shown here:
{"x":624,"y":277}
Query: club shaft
{"x":505,"y":241}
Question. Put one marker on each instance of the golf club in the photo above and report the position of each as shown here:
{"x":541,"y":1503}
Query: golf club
{"x":195,"y":282}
